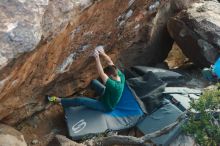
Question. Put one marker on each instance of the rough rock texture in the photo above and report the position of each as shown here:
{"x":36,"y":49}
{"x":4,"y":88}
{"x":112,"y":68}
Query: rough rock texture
{"x":20,"y":29}
{"x":11,"y":137}
{"x":58,"y":14}
{"x":23,"y":25}
{"x":153,"y":42}
{"x":197,"y":32}
{"x":60,"y":64}
{"x":25,"y":22}
{"x":60,"y":140}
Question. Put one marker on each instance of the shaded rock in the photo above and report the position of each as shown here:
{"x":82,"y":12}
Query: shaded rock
{"x":60,"y":140}
{"x":197,"y":32}
{"x":153,"y":42}
{"x":11,"y":137}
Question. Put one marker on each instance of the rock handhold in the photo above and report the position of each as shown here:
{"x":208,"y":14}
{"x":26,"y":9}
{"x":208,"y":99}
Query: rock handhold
{"x":11,"y":137}
{"x":197,"y":32}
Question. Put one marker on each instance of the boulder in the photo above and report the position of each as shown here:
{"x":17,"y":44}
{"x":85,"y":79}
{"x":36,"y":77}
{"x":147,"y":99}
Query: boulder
{"x":24,"y":23}
{"x":11,"y":137}
{"x":197,"y":32}
{"x":52,"y":43}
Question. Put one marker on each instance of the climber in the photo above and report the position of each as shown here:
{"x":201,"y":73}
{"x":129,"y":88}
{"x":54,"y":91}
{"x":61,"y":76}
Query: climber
{"x":110,"y":91}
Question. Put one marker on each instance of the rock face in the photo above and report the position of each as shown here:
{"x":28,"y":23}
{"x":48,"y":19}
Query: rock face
{"x":197,"y":32}
{"x":20,"y":29}
{"x":11,"y":137}
{"x":24,"y":26}
{"x":60,"y":64}
{"x":153,"y":42}
{"x":25,"y":22}
{"x":58,"y":14}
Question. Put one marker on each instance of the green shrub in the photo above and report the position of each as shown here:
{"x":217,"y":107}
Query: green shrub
{"x":205,"y":128}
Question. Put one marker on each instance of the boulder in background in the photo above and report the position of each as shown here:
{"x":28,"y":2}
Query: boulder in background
{"x":11,"y":137}
{"x":197,"y":32}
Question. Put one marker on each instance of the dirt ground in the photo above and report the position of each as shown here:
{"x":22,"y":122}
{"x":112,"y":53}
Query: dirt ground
{"x":41,"y":128}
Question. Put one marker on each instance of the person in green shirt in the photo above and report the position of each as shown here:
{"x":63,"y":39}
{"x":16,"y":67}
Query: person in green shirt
{"x":110,"y":90}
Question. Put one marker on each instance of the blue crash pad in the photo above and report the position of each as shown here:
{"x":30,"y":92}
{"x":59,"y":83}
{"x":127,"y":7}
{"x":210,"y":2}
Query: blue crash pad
{"x":182,"y":96}
{"x":84,"y":122}
{"x":161,"y":118}
{"x":169,"y":77}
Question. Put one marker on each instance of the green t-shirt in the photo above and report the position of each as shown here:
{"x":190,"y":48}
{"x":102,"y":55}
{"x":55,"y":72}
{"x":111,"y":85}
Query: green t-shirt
{"x":113,"y":91}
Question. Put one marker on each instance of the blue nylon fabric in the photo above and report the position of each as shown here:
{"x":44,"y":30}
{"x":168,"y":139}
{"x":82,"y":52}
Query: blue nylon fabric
{"x":127,"y":106}
{"x":217,"y":68}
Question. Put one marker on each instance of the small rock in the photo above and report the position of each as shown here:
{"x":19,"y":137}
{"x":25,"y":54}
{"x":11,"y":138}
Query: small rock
{"x":35,"y":141}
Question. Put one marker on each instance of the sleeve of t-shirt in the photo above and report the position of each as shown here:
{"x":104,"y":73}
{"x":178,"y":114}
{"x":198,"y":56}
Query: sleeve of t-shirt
{"x":121,"y":74}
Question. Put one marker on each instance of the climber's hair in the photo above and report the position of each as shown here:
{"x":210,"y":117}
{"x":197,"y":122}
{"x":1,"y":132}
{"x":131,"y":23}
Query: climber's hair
{"x":111,"y":70}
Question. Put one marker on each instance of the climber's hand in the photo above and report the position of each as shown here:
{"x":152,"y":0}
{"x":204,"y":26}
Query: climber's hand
{"x":95,"y":54}
{"x":100,"y":50}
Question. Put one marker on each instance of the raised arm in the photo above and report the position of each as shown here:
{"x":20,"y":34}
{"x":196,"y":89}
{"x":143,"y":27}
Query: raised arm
{"x":101,"y":73}
{"x":105,"y":56}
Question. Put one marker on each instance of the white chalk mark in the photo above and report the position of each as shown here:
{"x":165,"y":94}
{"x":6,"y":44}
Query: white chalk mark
{"x":64,"y":67}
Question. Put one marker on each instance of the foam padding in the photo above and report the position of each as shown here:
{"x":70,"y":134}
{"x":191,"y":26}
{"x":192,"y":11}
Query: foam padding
{"x":161,"y":118}
{"x":84,"y":122}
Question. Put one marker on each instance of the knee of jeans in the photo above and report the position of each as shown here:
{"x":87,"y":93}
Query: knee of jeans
{"x":93,"y":81}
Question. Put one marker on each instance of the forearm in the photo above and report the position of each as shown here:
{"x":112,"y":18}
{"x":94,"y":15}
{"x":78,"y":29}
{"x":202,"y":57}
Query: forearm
{"x":100,"y":70}
{"x":107,"y":59}
{"x":99,"y":66}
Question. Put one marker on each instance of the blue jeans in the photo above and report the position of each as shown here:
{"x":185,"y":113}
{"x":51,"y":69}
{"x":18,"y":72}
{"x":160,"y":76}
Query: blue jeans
{"x":86,"y":101}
